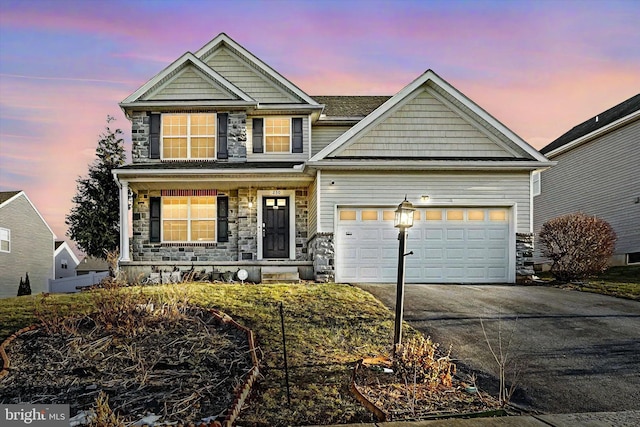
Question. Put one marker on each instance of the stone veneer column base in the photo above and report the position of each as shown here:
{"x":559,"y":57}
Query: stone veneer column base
{"x":322,"y":253}
{"x":524,"y":257}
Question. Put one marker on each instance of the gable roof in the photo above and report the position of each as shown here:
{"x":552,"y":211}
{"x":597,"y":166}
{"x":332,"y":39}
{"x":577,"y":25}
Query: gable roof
{"x":187,"y":59}
{"x":90,"y":263}
{"x":223,"y":39}
{"x":7,"y":197}
{"x":503,"y":136}
{"x":238,"y":97}
{"x":602,"y":121}
{"x":61,"y":245}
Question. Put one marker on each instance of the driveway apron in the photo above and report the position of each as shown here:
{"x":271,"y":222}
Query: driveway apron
{"x":573,"y":351}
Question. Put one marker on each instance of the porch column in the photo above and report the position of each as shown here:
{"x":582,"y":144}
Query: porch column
{"x":124,"y":220}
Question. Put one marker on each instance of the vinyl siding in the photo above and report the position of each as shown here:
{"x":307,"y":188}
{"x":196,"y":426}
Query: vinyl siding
{"x":425,"y":127}
{"x":189,"y":85}
{"x":325,"y":135}
{"x":287,"y":157}
{"x":32,"y":246}
{"x":443,"y":188}
{"x":248,"y":79}
{"x":600,"y":177}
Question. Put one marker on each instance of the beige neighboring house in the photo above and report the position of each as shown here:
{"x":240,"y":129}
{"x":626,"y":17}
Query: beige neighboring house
{"x":65,"y":260}
{"x":91,"y":265}
{"x":26,"y":245}
{"x":234,"y":166}
{"x":598,"y":173}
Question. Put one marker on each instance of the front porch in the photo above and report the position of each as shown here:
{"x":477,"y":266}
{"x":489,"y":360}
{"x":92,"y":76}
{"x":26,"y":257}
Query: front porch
{"x":141,"y":270}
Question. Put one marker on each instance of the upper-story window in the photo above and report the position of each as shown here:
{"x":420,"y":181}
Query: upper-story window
{"x":277,"y":135}
{"x":5,"y":240}
{"x":189,"y":136}
{"x":535,"y":183}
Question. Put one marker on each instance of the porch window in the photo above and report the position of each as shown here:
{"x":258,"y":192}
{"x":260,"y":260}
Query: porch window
{"x":189,"y":136}
{"x":5,"y":240}
{"x":189,"y":219}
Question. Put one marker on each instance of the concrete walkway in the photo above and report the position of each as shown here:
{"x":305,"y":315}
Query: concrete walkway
{"x":588,"y":419}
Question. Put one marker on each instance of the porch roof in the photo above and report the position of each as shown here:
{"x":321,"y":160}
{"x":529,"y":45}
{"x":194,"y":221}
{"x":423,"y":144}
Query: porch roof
{"x":200,"y":165}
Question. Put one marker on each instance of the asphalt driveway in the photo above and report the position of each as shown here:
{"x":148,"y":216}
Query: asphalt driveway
{"x":575,"y":351}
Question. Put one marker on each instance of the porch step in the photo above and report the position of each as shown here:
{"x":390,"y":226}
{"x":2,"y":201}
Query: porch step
{"x":279,"y":275}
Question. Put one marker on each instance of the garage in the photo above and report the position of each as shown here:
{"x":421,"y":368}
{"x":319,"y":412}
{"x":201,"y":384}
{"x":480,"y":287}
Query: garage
{"x":449,"y":244}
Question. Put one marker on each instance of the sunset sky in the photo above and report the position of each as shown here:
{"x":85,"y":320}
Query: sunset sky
{"x":540,"y":67}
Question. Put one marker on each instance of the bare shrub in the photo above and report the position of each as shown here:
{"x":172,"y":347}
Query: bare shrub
{"x":579,"y":245}
{"x":103,"y":414}
{"x":418,"y":361}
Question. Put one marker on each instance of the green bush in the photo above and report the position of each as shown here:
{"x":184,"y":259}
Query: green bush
{"x":579,"y":245}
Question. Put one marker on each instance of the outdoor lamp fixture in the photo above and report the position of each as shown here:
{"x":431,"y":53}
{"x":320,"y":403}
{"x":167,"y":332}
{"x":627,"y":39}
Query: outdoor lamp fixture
{"x":403,"y":221}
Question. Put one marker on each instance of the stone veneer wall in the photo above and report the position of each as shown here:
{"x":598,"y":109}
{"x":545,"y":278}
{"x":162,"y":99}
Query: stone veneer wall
{"x":236,"y":137}
{"x":322,"y":253}
{"x":143,"y":250}
{"x":524,"y":257}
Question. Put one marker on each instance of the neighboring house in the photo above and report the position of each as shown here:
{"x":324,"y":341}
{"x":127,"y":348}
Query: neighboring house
{"x":26,"y":245}
{"x":91,"y":265}
{"x":236,"y":167}
{"x":598,"y":173}
{"x":65,"y":260}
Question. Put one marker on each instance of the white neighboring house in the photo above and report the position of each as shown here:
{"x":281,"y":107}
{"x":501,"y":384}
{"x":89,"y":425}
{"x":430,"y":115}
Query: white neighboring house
{"x":234,"y":166}
{"x":26,"y":245}
{"x":598,"y":173}
{"x":65,"y":260}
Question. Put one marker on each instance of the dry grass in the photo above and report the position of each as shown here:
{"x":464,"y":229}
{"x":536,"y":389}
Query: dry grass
{"x":328,"y":328}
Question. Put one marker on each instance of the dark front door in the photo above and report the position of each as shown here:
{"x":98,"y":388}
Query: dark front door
{"x":275,"y":227}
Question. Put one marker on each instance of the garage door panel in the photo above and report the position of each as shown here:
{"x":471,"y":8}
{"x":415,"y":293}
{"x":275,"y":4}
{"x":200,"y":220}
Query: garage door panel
{"x":473,"y":248}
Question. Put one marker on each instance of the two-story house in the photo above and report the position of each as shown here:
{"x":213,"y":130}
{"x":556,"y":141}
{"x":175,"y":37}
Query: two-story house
{"x":26,"y":245}
{"x":234,"y":166}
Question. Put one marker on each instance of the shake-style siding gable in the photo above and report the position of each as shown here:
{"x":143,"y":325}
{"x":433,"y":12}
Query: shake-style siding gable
{"x":424,"y":127}
{"x":247,"y":78}
{"x":189,"y":84}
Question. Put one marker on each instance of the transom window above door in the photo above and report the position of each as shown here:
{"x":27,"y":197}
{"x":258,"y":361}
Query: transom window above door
{"x":189,"y":136}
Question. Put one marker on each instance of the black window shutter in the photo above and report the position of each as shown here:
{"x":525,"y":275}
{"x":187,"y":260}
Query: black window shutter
{"x":223,"y":153}
{"x":257,"y":136}
{"x":223,"y":219}
{"x":296,"y":140}
{"x":154,"y":219}
{"x":154,"y":136}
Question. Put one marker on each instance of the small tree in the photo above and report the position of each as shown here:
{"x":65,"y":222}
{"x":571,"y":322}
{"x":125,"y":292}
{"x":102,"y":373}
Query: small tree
{"x":94,"y":221}
{"x":579,"y":245}
{"x":25,"y":287}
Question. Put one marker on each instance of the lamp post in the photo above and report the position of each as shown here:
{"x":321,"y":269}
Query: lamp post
{"x":403,"y":221}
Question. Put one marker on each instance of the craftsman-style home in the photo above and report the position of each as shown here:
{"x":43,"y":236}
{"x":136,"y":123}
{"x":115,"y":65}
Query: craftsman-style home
{"x":235,"y":167}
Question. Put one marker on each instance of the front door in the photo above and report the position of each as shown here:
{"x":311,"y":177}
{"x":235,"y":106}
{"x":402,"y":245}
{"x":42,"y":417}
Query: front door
{"x":275,"y":227}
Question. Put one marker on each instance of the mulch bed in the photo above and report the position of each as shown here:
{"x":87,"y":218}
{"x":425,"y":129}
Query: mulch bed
{"x":183,"y":371}
{"x":401,"y":399}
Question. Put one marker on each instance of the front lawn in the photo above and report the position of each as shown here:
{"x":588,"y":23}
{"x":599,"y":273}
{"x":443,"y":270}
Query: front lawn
{"x":328,"y":328}
{"x":622,"y":282}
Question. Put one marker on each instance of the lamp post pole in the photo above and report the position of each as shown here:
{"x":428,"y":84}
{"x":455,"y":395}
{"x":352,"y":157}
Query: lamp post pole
{"x":402,"y":247}
{"x":403,"y":221}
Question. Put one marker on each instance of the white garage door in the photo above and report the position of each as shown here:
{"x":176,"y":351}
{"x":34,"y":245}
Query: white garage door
{"x":450,"y":245}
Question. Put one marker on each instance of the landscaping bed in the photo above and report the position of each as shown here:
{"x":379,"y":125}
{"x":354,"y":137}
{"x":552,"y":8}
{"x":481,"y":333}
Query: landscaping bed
{"x":185,"y":369}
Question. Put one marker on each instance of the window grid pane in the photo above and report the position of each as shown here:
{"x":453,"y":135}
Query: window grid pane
{"x":188,"y":136}
{"x":203,"y":231}
{"x":175,"y":231}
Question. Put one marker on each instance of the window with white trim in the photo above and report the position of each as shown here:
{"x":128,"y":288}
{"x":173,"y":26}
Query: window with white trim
{"x":277,"y":134}
{"x":189,"y":136}
{"x":189,"y":219}
{"x":5,"y":240}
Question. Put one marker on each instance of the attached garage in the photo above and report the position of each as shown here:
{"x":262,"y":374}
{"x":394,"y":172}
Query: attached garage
{"x":465,"y":244}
